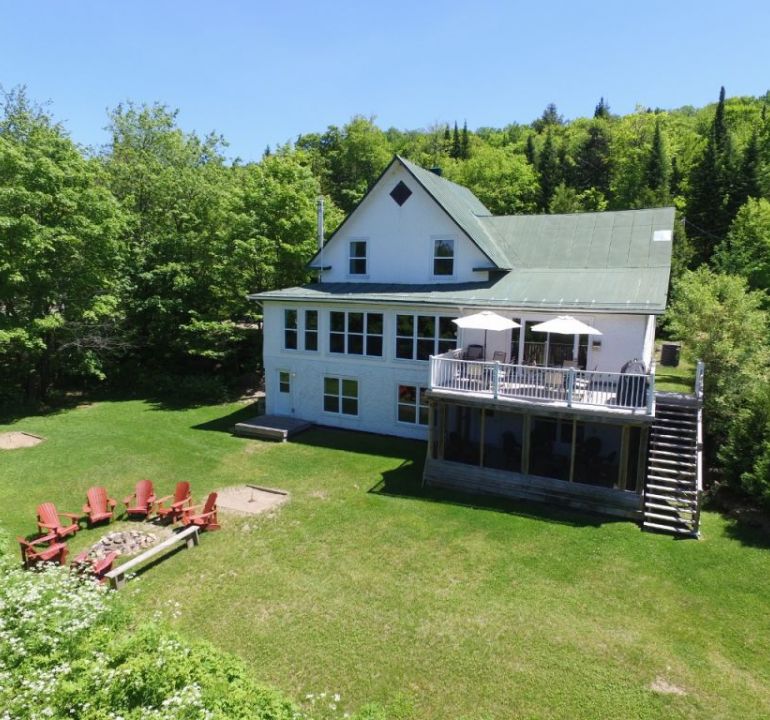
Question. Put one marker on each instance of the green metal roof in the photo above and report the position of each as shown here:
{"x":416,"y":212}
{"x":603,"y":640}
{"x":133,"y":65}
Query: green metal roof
{"x":611,"y":261}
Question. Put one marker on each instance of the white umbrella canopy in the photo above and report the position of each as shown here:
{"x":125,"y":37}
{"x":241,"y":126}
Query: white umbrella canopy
{"x":485,"y":320}
{"x":565,"y":325}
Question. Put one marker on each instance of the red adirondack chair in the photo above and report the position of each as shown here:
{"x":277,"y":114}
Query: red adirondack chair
{"x":95,"y":568}
{"x":180,"y":499}
{"x":205,"y":518}
{"x":99,"y":506}
{"x":140,"y":503}
{"x":42,"y":549}
{"x":49,"y":520}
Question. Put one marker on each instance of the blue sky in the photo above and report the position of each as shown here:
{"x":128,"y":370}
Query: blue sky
{"x":260,"y":73}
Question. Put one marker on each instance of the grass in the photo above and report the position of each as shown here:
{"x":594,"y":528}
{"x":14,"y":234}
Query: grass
{"x":676,"y":379}
{"x":364,"y":585}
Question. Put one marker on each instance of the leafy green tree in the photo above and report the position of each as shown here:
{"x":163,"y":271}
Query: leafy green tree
{"x":746,"y":249}
{"x":722,"y":323}
{"x":747,"y":182}
{"x":530,"y":152}
{"x":60,"y":254}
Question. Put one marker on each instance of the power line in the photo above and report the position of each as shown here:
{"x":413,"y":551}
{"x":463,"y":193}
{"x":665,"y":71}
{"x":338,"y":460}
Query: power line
{"x":685,"y":221}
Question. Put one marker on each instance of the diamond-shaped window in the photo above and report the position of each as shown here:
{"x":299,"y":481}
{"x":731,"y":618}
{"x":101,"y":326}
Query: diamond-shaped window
{"x":400,"y":193}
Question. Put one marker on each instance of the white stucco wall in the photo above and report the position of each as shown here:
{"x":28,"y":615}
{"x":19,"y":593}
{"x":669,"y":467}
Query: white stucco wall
{"x":624,"y":338}
{"x":400,"y":238}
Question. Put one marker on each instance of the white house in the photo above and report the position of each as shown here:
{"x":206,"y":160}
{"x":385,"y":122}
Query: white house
{"x":372,"y":346}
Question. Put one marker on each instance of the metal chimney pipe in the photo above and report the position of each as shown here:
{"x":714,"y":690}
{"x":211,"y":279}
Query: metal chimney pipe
{"x":320,"y":222}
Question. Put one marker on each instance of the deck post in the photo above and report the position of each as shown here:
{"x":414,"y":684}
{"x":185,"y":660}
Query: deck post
{"x":496,"y":380}
{"x":431,"y":364}
{"x":651,"y":394}
{"x":570,"y":386}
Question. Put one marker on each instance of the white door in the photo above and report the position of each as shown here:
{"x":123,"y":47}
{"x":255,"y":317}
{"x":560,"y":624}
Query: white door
{"x":284,"y":404}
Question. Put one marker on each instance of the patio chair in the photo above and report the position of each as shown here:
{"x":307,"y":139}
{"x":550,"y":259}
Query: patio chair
{"x":498,"y":356}
{"x":205,"y":516}
{"x":180,"y":498}
{"x":474,"y":352}
{"x":553,"y":381}
{"x":569,"y":364}
{"x":96,"y":568}
{"x":49,"y":521}
{"x":42,"y":549}
{"x":100,"y":506}
{"x":140,"y":503}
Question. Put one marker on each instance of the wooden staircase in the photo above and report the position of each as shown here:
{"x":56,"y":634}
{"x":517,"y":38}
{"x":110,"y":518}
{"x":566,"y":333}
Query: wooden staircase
{"x":673,"y":485}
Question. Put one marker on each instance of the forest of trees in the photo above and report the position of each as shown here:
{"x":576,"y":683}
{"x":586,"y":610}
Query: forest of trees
{"x":130,"y":264}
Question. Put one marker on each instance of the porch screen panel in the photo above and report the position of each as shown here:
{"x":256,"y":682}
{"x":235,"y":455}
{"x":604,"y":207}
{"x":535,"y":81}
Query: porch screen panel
{"x":447,"y":335}
{"x":550,"y":448}
{"x":534,"y":345}
{"x":597,"y":454}
{"x":503,"y":440}
{"x":633,"y":481}
{"x":462,"y":434}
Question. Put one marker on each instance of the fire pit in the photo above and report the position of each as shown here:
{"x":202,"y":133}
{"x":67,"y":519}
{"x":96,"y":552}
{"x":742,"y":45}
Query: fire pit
{"x":125,"y":542}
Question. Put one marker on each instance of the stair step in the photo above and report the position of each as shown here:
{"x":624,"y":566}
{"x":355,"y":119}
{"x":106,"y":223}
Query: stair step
{"x":673,"y":446}
{"x":681,"y":456}
{"x":672,"y":481}
{"x":668,"y":528}
{"x":653,"y":467}
{"x":673,"y":459}
{"x":670,"y":411}
{"x":676,"y":511}
{"x":673,"y":433}
{"x":673,"y":497}
{"x":675,"y":491}
{"x":667,"y":518}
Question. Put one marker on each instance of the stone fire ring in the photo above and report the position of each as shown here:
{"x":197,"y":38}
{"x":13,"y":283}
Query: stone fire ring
{"x":130,"y":541}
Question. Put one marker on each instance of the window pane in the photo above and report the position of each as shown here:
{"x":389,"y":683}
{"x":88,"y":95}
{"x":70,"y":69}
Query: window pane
{"x":447,"y":329}
{"x":405,"y":349}
{"x":331,"y":403}
{"x":311,"y":319}
{"x":444,"y":248}
{"x":355,"y":344}
{"x":331,"y":386}
{"x":290,"y":318}
{"x":290,"y":339}
{"x":358,"y":249}
{"x":337,"y":321}
{"x":357,"y":267}
{"x":424,"y":349}
{"x":356,"y":322}
{"x":374,"y":323}
{"x":443,"y":267}
{"x":349,"y":406}
{"x":424,"y":396}
{"x":350,"y":388}
{"x":426,"y":326}
{"x":446,"y":345}
{"x":423,"y":418}
{"x":406,"y":413}
{"x":337,"y":342}
{"x":374,"y":345}
{"x":311,"y":340}
{"x":407,"y":394}
{"x":405,"y":325}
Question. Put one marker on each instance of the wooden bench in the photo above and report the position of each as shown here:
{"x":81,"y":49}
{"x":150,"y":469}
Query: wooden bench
{"x":189,"y":536}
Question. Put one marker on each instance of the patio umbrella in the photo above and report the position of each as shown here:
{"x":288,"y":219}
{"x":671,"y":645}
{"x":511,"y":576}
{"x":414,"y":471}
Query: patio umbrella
{"x":565,"y":325}
{"x":485,"y":320}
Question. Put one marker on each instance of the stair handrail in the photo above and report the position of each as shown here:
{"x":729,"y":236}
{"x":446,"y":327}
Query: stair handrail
{"x":700,"y":368}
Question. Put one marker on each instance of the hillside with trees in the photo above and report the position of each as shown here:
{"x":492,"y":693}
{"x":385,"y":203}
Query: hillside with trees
{"x":129,"y":265}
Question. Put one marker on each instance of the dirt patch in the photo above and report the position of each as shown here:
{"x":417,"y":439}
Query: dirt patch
{"x":319,"y":495}
{"x":15,"y":440}
{"x":663,"y":686}
{"x":249,"y":499}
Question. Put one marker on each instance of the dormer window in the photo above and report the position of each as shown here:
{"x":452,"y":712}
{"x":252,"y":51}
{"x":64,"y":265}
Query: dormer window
{"x":443,"y":256}
{"x":357,"y":257}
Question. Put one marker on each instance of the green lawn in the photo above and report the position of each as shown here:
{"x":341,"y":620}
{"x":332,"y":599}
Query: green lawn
{"x":676,"y":379}
{"x":364,"y":586}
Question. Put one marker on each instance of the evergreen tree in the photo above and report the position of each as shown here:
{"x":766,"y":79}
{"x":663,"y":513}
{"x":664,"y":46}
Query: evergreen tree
{"x":530,"y":152}
{"x":456,"y":149}
{"x":447,"y":139}
{"x":550,"y":171}
{"x":465,"y":151}
{"x":592,"y":169}
{"x":676,"y":177}
{"x":709,"y":210}
{"x":602,"y":110}
{"x":549,"y":118}
{"x":658,"y":172}
{"x":747,"y":181}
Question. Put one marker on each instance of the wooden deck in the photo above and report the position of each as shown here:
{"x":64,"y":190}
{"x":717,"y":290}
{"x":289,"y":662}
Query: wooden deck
{"x":271,"y":427}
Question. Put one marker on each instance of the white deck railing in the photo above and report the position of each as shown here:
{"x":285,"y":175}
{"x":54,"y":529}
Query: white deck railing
{"x":564,"y":386}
